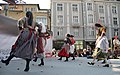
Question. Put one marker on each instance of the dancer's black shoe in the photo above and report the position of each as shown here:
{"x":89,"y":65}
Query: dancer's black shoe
{"x":35,"y":60}
{"x":60,"y":58}
{"x":103,"y":62}
{"x":5,"y":61}
{"x":40,"y":64}
{"x":26,"y":69}
{"x":66,"y":59}
{"x":91,"y":63}
{"x":106,"y":65}
{"x":73,"y":59}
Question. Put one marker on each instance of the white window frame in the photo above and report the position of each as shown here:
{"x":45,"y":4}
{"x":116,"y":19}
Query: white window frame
{"x":75,"y":7}
{"x":59,"y":6}
{"x":40,"y":19}
{"x":101,"y":9}
{"x":115,"y":32}
{"x":60,"y":19}
{"x":90,"y":18}
{"x":75,"y":19}
{"x":60,"y":31}
{"x":76,"y":31}
{"x":115,"y":21}
{"x":114,"y":9}
{"x":89,"y":6}
{"x":33,"y":9}
{"x":91,"y":31}
{"x":27,"y":9}
{"x":102,"y":20}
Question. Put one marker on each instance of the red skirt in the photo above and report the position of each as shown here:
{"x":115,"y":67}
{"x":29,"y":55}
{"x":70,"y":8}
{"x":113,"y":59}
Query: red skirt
{"x":63,"y":53}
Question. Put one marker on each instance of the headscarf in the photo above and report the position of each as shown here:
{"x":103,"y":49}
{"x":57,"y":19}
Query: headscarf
{"x":43,"y":27}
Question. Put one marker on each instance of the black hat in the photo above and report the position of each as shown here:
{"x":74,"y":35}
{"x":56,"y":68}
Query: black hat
{"x":98,"y":25}
{"x":68,"y":35}
{"x":71,"y":35}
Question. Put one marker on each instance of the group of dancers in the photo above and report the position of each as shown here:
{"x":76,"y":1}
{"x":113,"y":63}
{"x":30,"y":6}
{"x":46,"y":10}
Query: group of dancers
{"x":68,"y":49}
{"x":30,"y":43}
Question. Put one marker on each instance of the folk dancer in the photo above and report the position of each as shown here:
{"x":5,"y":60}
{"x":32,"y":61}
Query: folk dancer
{"x":65,"y":49}
{"x":101,"y":50}
{"x":116,"y":44}
{"x":72,"y":47}
{"x":41,"y":43}
{"x":26,"y":42}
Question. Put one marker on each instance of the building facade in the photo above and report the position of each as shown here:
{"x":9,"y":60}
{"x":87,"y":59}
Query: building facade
{"x":16,"y":11}
{"x":78,"y":17}
{"x":66,"y":18}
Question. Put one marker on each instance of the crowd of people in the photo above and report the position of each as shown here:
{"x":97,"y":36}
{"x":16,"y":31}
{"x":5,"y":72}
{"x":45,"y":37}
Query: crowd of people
{"x":31,"y":42}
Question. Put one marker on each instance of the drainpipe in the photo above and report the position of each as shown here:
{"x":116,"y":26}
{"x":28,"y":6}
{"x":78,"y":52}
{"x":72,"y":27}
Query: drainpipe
{"x":83,"y":23}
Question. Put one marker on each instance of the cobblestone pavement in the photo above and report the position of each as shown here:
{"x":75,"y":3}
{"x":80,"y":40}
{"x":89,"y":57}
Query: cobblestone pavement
{"x":55,"y":67}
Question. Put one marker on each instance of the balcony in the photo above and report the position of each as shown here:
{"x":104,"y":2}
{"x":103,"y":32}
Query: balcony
{"x":75,"y":25}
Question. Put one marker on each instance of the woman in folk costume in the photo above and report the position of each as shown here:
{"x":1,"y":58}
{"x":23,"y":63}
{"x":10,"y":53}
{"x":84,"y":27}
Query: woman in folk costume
{"x":26,"y":42}
{"x":72,"y":47}
{"x":65,"y":49}
{"x":41,"y":42}
{"x":101,"y":50}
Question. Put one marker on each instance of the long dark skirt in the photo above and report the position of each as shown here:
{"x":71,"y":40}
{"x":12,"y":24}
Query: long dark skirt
{"x":25,"y":45}
{"x":63,"y":53}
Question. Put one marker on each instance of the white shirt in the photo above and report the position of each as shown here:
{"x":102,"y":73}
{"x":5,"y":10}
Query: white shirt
{"x":116,"y":41}
{"x":102,"y":43}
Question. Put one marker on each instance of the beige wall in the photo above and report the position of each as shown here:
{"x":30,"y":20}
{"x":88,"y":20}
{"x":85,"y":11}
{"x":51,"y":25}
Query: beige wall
{"x":20,"y":10}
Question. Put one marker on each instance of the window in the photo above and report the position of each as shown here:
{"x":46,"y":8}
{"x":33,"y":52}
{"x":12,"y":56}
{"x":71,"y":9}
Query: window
{"x":27,"y":9}
{"x":75,"y":19}
{"x":114,"y":10}
{"x":91,"y":31}
{"x":75,"y":7}
{"x":59,"y":7}
{"x":115,"y":21}
{"x":76,"y":32}
{"x":33,"y":9}
{"x":42,"y":19}
{"x":12,"y":8}
{"x":115,"y":32}
{"x":60,"y":32}
{"x":90,"y":18}
{"x":89,"y":6}
{"x":60,"y":19}
{"x":102,"y":20}
{"x":101,"y":9}
{"x":79,"y":45}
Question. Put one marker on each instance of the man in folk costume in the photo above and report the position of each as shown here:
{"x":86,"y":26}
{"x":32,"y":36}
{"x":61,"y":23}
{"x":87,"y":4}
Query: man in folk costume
{"x":65,"y":49}
{"x":102,"y":45}
{"x":41,"y":42}
{"x":72,"y":47}
{"x":26,"y":42}
{"x":116,"y":44}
